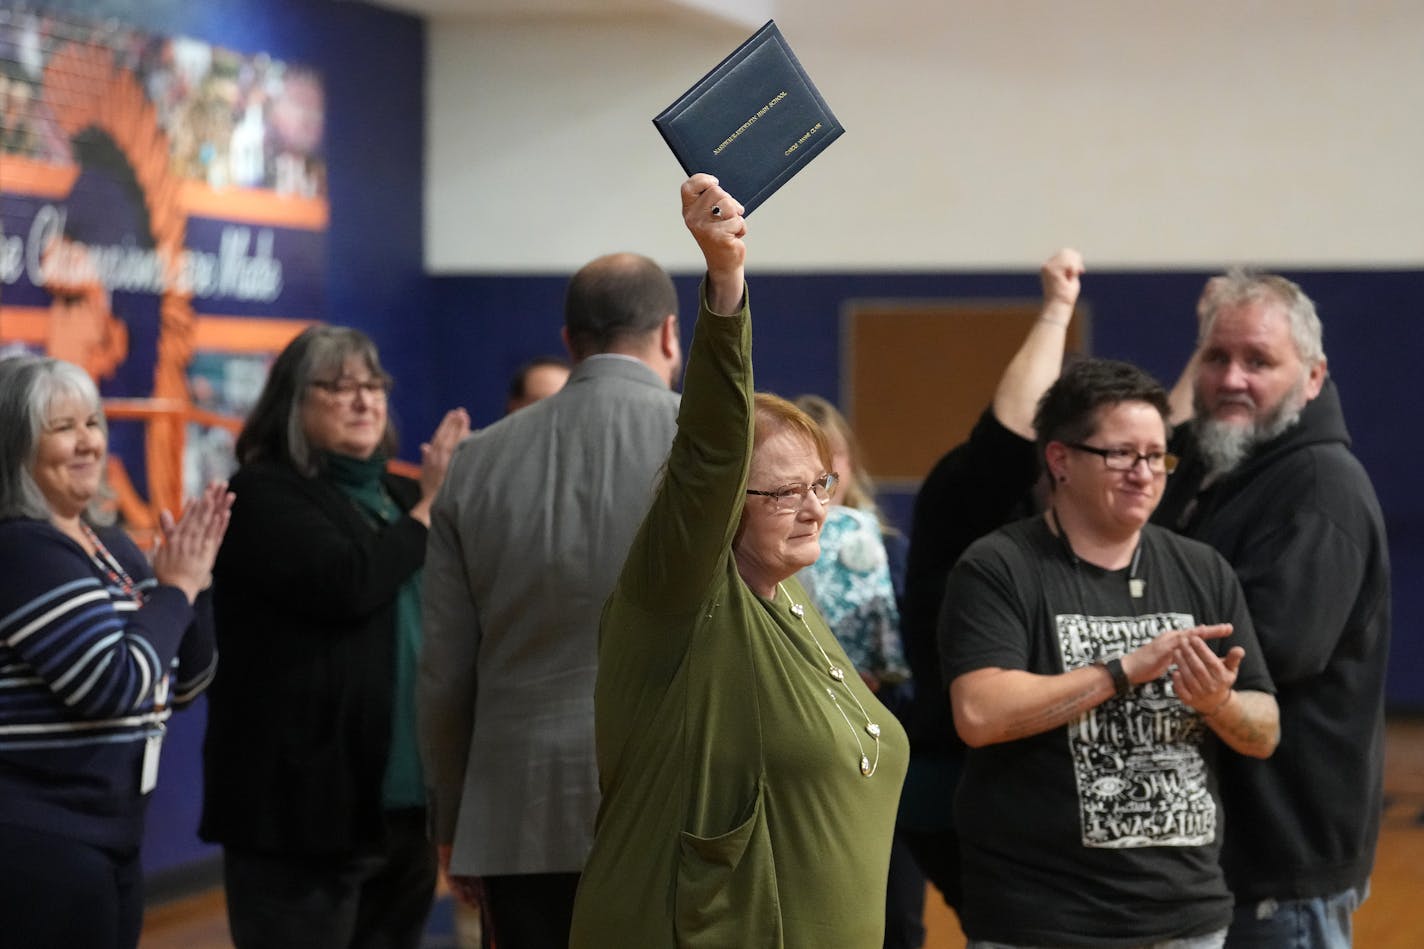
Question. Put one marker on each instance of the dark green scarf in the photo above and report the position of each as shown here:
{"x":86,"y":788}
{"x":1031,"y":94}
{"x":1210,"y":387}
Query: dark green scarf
{"x":360,"y":480}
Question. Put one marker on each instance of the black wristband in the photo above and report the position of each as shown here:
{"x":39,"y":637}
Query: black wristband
{"x":1121,"y":685}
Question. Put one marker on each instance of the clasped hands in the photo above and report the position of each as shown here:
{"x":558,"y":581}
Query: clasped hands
{"x":1202,"y":679}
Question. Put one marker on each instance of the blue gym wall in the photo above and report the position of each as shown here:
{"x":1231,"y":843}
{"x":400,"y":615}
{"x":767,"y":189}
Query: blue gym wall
{"x":483,"y":327}
{"x":372,"y":63}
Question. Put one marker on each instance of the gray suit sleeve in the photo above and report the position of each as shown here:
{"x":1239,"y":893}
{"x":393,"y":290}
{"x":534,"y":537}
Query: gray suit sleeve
{"x":447,"y":683}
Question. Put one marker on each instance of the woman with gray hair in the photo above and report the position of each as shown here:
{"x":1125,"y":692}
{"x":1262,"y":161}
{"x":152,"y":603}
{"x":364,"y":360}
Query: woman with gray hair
{"x":312,"y":781}
{"x":97,"y":646}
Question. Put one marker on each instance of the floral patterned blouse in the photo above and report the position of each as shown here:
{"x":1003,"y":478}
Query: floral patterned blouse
{"x":851,"y":586}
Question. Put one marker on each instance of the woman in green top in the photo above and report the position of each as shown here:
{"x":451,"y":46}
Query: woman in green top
{"x":749,"y":777}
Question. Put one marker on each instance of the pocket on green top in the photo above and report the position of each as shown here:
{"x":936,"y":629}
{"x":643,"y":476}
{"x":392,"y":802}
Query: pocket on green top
{"x":726,"y":887}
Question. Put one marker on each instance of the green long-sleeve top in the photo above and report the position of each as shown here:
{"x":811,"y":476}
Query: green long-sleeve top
{"x":734,"y":811}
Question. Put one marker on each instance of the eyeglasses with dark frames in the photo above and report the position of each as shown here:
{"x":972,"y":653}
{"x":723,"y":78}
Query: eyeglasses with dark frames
{"x":790,"y":497}
{"x":345,"y":388}
{"x":1125,"y":459}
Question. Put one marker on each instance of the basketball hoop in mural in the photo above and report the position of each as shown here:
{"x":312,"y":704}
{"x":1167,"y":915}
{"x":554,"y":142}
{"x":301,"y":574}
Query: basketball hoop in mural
{"x":131,"y":201}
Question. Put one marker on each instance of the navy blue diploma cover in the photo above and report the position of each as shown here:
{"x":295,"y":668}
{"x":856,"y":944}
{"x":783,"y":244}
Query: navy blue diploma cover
{"x":753,"y":121}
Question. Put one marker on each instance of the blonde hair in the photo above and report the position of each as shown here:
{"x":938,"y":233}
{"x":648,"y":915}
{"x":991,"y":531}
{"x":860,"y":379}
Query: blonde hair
{"x":857,"y":486}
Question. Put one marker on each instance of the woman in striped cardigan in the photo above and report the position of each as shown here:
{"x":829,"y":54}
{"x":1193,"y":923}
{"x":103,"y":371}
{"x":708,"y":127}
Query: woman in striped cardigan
{"x":97,"y":645}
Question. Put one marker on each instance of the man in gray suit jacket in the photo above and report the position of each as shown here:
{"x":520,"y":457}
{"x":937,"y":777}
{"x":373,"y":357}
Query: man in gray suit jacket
{"x":527,"y":537}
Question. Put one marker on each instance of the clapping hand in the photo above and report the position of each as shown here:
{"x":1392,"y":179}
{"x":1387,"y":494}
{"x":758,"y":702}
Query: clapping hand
{"x":187,"y":547}
{"x":1201,"y":678}
{"x":435,"y":454}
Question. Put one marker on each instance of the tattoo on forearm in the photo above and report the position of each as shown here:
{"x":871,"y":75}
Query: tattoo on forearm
{"x":1248,"y":732}
{"x":1060,"y":713}
{"x":1245,"y":730}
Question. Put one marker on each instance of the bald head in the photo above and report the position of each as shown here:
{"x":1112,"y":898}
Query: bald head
{"x":615,"y":302}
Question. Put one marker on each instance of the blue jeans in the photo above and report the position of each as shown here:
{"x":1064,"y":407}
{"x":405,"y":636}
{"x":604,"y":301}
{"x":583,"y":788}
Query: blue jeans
{"x":1213,"y":940}
{"x":1323,"y":922}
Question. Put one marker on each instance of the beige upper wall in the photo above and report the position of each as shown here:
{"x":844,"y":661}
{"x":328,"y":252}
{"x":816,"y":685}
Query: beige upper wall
{"x":1175,"y":133}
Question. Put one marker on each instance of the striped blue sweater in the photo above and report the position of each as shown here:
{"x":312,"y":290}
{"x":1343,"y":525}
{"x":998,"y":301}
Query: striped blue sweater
{"x":81,"y":663}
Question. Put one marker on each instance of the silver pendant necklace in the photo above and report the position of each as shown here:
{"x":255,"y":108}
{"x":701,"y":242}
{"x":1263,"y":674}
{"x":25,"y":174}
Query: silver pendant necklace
{"x":867,"y":766}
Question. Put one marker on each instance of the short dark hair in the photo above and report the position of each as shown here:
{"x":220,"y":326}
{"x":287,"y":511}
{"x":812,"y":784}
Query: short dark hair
{"x":614,"y":299}
{"x":520,"y":379}
{"x":1068,"y":411}
{"x":274,"y":429}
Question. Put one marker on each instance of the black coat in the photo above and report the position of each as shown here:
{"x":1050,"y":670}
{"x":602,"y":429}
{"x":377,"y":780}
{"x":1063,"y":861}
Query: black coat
{"x":977,"y":487}
{"x":299,"y":717}
{"x":1300,"y":524}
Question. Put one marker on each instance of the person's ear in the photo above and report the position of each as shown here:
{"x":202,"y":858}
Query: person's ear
{"x":670,"y":342}
{"x":1055,"y":456}
{"x":1315,"y":379}
{"x":568,"y":347}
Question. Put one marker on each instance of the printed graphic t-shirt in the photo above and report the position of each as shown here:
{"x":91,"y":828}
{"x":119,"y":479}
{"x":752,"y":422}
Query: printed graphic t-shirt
{"x":1104,"y":831}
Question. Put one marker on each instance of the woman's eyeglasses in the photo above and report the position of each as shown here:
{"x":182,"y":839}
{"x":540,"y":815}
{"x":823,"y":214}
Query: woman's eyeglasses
{"x":345,"y":389}
{"x":790,"y":497}
{"x":1125,"y":459}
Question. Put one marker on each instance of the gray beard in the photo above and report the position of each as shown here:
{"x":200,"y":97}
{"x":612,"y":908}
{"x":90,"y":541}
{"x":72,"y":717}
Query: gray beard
{"x":1225,"y":445}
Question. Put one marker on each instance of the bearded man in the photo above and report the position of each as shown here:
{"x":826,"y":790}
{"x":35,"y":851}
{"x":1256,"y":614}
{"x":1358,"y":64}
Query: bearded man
{"x":1267,"y":478}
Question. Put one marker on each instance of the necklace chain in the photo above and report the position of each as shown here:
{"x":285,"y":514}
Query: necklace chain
{"x":1135,"y":585}
{"x":867,"y":766}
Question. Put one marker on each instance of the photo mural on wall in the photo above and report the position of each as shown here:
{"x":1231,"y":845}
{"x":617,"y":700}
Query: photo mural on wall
{"x":163,"y":218}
